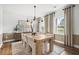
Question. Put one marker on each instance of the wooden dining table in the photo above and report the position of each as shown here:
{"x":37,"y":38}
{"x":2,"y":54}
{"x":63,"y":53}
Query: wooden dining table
{"x":39,"y":43}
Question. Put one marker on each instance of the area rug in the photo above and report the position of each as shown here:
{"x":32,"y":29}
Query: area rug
{"x":18,"y":49}
{"x":57,"y":50}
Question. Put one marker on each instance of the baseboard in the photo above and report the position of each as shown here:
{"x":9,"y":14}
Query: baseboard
{"x":59,"y":41}
{"x":76,"y":46}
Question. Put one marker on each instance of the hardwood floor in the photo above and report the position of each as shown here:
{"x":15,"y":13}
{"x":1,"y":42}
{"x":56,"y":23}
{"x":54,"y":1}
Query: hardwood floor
{"x":74,"y":51}
{"x":7,"y":50}
{"x":68,"y":50}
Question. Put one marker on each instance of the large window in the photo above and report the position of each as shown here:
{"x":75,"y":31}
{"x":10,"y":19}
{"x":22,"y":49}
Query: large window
{"x":60,"y":24}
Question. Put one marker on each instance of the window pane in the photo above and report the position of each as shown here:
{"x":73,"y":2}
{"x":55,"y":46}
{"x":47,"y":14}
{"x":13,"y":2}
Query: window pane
{"x":60,"y":24}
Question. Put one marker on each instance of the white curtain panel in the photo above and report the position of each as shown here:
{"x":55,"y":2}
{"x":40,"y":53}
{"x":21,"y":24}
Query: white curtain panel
{"x":49,"y":22}
{"x":68,"y":13}
{"x":46,"y":24}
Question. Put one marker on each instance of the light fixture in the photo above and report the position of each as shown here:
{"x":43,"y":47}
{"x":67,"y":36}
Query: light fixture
{"x":27,"y":20}
{"x":54,"y":6}
{"x":34,"y":22}
{"x":34,"y":13}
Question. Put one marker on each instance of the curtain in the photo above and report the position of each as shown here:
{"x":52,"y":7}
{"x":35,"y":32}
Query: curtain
{"x":46,"y":23}
{"x":51,"y":22}
{"x":68,"y":39}
{"x":48,"y":28}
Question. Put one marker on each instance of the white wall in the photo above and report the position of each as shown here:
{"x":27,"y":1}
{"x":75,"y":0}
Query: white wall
{"x":1,"y":19}
{"x":12,"y":13}
{"x":9,"y":19}
{"x":76,"y":20}
{"x":1,"y":25}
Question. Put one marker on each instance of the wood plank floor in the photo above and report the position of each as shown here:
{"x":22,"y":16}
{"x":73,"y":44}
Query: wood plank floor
{"x":7,"y":50}
{"x":68,"y":50}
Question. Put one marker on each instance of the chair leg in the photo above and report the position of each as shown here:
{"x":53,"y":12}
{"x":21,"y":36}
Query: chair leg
{"x":24,"y":44}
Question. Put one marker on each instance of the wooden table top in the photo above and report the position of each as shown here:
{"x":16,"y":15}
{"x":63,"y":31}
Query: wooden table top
{"x":39,"y":36}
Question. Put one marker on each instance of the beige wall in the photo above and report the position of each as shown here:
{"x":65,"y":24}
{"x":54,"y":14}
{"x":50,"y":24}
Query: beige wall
{"x":11,"y":36}
{"x":59,"y":37}
{"x":76,"y":39}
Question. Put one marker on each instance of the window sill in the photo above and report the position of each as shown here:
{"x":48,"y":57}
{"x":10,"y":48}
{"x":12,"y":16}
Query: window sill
{"x":60,"y":33}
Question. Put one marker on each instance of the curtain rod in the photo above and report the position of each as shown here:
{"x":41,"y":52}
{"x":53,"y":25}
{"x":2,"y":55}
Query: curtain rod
{"x":69,"y":6}
{"x":49,"y":14}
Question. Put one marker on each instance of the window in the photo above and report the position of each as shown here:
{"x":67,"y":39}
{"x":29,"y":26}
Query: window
{"x":60,"y":24}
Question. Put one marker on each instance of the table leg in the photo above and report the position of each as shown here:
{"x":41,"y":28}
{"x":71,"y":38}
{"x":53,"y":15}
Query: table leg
{"x":34,"y":50}
{"x":39,"y":47}
{"x":51,"y":45}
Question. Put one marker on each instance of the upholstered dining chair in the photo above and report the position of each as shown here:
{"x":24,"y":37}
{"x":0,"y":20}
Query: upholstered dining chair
{"x":25,"y":42}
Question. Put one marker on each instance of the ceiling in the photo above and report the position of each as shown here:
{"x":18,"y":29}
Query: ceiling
{"x":27,"y":10}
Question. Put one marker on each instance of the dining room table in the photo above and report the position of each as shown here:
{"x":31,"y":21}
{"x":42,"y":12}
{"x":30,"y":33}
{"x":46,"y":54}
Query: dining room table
{"x":40,"y":43}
